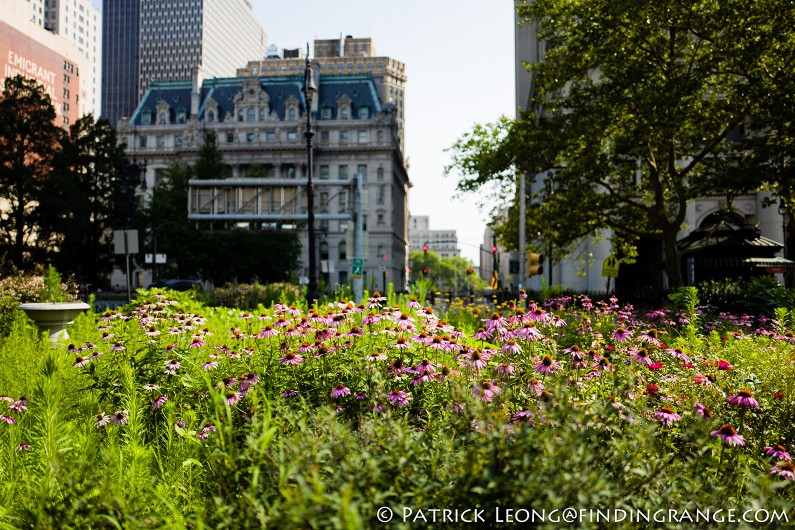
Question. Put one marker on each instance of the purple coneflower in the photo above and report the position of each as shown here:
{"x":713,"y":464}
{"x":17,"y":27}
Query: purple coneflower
{"x":209,"y":365}
{"x":22,"y":447}
{"x":398,"y":398}
{"x":475,"y":360}
{"x":291,"y":358}
{"x":678,"y":354}
{"x":486,"y":390}
{"x":728,"y":435}
{"x":785,"y":470}
{"x":401,"y":343}
{"x":102,"y":419}
{"x":118,"y":346}
{"x":340,"y":390}
{"x":640,"y":356}
{"x":119,"y":417}
{"x":547,"y":366}
{"x":19,"y":405}
{"x":81,"y":361}
{"x":172,"y":365}
{"x":376,"y":356}
{"x":703,"y":411}
{"x":621,"y":334}
{"x":505,"y":369}
{"x":667,"y":416}
{"x":150,"y":387}
{"x":423,"y":367}
{"x":197,"y":343}
{"x":482,"y":334}
{"x":744,"y":398}
{"x":778,"y":451}
{"x":511,"y":347}
{"x":152,"y":332}
{"x":159,"y":402}
{"x":360,"y":395}
{"x":289,"y":393}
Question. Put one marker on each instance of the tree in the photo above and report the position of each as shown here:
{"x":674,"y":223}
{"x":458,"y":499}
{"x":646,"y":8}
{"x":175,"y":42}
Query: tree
{"x":91,"y":193}
{"x":448,"y":274}
{"x":639,"y":107}
{"x":28,"y":142}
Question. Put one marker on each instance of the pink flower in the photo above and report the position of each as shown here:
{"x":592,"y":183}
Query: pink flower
{"x":81,"y":361}
{"x":340,"y":390}
{"x":119,"y":418}
{"x":667,"y":416}
{"x":172,"y":365}
{"x":398,"y":398}
{"x":779,"y":452}
{"x":547,"y":365}
{"x":505,"y":369}
{"x":621,"y":334}
{"x":785,"y":470}
{"x":724,"y":365}
{"x":677,"y":353}
{"x":291,"y":358}
{"x":744,"y":398}
{"x":486,"y":390}
{"x":209,"y":365}
{"x":703,"y":411}
{"x":159,"y":402}
{"x":510,"y":347}
{"x":640,"y":356}
{"x":728,"y":435}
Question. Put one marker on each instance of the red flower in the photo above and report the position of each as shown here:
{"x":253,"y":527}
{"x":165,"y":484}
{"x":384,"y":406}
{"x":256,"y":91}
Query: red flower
{"x":724,"y":365}
{"x":655,"y":366}
{"x":778,"y":395}
{"x":651,"y":390}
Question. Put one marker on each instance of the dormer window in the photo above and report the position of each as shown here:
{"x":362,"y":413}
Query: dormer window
{"x":292,"y":114}
{"x":261,"y":114}
{"x":344,"y":113}
{"x":251,"y":114}
{"x":325,"y":113}
{"x":146,"y":118}
{"x":364,"y":112}
{"x":211,"y":116}
{"x":182,"y":116}
{"x":162,"y":118}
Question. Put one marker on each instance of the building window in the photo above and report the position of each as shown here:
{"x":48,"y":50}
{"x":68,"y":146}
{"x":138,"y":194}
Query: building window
{"x":146,"y":118}
{"x":361,"y":171}
{"x":345,"y":113}
{"x":343,"y":198}
{"x":290,"y":172}
{"x":325,"y":113}
{"x":323,"y":250}
{"x":161,"y":141}
{"x":250,"y":137}
{"x":177,"y":141}
{"x":343,"y":248}
{"x":323,"y":137}
{"x":181,"y":116}
{"x":380,"y":219}
{"x":211,"y":116}
{"x":292,"y":114}
{"x":364,"y":113}
{"x":380,"y":136}
{"x":363,"y":137}
{"x":251,"y":115}
{"x":323,"y":199}
{"x":324,"y":172}
{"x":261,"y":114}
{"x":271,"y":137}
{"x":292,"y":136}
{"x":230,"y":138}
{"x":343,"y":137}
{"x":342,"y":172}
{"x":380,"y":173}
{"x":142,"y":141}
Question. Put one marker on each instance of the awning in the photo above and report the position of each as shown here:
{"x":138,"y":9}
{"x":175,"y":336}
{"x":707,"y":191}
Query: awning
{"x":738,"y":262}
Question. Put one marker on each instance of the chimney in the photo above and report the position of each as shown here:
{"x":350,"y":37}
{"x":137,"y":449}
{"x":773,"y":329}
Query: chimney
{"x":196,"y":78}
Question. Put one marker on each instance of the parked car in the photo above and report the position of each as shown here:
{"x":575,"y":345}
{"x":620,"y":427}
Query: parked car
{"x":177,"y":285}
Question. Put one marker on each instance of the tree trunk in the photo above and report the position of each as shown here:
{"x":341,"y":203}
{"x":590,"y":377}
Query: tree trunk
{"x":673,"y":269}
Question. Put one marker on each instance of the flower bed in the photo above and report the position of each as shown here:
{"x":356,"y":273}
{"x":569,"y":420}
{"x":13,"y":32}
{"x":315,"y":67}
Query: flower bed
{"x":175,"y":414}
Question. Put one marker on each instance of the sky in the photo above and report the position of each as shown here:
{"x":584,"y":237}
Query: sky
{"x":459,"y":57}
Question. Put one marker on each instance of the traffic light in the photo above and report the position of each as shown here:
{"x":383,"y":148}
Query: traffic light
{"x":425,"y":272}
{"x":470,"y":270}
{"x":494,"y":251}
{"x":534,"y":263}
{"x":425,"y":249}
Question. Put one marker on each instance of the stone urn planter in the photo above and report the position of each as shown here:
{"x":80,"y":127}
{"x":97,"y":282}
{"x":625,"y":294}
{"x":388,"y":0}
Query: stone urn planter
{"x":54,"y":317}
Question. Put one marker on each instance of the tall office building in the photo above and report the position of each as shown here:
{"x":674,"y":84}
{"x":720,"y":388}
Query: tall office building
{"x":79,"y":23}
{"x":27,"y":49}
{"x":163,"y":40}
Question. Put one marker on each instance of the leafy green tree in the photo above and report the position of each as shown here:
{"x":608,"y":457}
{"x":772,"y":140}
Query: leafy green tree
{"x":28,"y":142}
{"x":210,"y":164}
{"x":447,"y":274}
{"x":91,"y":193}
{"x":639,"y":107}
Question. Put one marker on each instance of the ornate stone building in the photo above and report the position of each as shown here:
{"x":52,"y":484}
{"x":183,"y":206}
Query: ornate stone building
{"x":260,"y":123}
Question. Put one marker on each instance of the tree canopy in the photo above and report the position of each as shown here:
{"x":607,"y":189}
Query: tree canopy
{"x":638,"y":108}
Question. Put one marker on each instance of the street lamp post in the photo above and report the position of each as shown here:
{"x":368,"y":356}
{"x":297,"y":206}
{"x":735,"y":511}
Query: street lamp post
{"x":784,"y":211}
{"x":309,"y":89}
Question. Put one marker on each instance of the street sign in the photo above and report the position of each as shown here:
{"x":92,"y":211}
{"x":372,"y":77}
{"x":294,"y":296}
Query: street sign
{"x":610,"y":267}
{"x":158,"y":258}
{"x":357,"y":265}
{"x":125,"y":241}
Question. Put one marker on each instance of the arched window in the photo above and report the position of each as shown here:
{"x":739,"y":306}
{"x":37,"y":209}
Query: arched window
{"x":261,"y":114}
{"x":251,"y":114}
{"x":291,"y":114}
{"x":240,"y":115}
{"x":161,"y":118}
{"x":323,"y":250}
{"x":345,"y":113}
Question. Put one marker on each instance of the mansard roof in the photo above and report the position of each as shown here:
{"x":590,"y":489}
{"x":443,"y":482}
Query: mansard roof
{"x":360,"y":91}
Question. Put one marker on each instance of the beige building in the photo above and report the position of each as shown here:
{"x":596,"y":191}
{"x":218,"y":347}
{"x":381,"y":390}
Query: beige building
{"x":259,"y":122}
{"x":443,"y":242}
{"x":342,"y":57}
